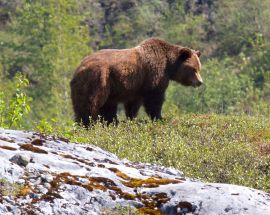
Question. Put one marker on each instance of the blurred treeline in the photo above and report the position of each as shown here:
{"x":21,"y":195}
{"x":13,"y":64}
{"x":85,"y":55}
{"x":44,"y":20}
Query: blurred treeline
{"x":45,"y":41}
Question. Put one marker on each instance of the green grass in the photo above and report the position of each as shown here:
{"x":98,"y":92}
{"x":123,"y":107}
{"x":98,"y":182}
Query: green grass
{"x":213,"y":148}
{"x":8,"y":188}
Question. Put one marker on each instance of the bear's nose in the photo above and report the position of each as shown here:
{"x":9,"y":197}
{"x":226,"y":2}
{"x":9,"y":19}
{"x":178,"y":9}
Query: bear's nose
{"x":200,"y":82}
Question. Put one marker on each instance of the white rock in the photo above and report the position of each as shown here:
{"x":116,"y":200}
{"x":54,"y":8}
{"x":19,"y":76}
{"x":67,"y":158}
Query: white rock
{"x":84,"y":179}
{"x":20,"y":159}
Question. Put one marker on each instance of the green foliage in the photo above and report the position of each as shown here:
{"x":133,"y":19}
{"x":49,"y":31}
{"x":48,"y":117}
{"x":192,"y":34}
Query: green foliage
{"x":8,"y":188}
{"x":46,"y":40}
{"x":61,"y":128}
{"x":128,"y":22}
{"x":12,"y":110}
{"x":181,"y":27}
{"x":119,"y":210}
{"x":213,"y":148}
{"x":51,"y":40}
{"x":238,"y":22}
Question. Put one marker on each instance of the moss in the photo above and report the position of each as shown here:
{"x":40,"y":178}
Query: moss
{"x":38,"y":142}
{"x":30,"y":147}
{"x":149,"y":211}
{"x":8,"y":188}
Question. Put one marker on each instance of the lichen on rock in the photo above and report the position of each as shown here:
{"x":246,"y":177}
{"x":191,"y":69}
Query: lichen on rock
{"x":55,"y":176}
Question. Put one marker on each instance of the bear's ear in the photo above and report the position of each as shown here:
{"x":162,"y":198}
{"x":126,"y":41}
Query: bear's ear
{"x":198,"y":53}
{"x":185,"y":53}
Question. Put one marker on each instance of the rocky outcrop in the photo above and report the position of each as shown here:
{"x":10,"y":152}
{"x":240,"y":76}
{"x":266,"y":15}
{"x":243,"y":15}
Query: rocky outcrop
{"x":43,"y":175}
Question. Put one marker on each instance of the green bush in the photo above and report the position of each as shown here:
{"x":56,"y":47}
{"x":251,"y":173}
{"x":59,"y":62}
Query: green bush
{"x":12,"y":110}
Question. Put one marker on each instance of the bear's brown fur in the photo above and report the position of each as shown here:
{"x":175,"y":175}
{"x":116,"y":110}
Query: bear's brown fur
{"x":136,"y":76}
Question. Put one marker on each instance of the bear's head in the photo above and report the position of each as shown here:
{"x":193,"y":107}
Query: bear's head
{"x":188,"y":68}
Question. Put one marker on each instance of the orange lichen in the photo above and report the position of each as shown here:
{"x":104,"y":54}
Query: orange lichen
{"x":122,"y":194}
{"x":8,"y":148}
{"x":120,"y":174}
{"x":24,"y":191}
{"x":30,"y":147}
{"x":151,"y":203}
{"x":127,"y":196}
{"x":107,"y":182}
{"x":150,"y":211}
{"x":149,"y":182}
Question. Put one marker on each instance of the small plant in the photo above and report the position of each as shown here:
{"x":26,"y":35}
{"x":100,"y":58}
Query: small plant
{"x":8,"y":188}
{"x":13,"y":109}
{"x":120,"y":210}
{"x":56,"y":127}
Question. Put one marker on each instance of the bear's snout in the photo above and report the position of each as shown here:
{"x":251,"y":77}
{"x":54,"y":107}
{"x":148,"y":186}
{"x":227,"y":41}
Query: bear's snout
{"x":198,"y":81}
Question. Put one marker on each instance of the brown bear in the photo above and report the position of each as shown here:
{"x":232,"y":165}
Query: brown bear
{"x":136,"y":76}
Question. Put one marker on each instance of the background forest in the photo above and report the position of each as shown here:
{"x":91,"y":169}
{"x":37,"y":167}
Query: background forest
{"x":43,"y":41}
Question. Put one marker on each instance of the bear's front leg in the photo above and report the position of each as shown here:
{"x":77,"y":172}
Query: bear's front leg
{"x":108,"y":113}
{"x":153,"y":102}
{"x":132,"y":108}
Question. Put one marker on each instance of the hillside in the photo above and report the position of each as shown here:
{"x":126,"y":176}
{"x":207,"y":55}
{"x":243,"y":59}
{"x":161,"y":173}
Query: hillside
{"x":41,"y":174}
{"x":213,"y":148}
